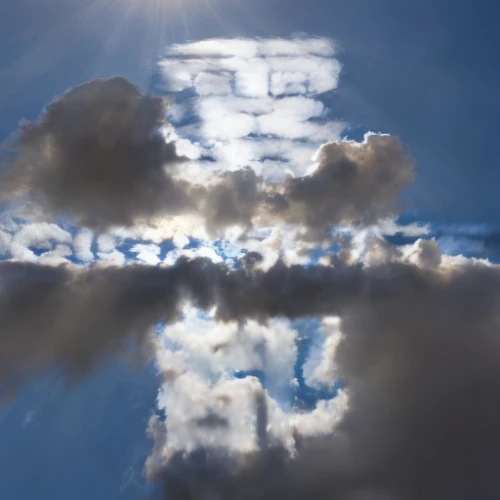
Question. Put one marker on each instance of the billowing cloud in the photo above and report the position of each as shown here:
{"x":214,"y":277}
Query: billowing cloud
{"x":357,"y":183}
{"x":213,"y":349}
{"x":419,"y":359}
{"x":320,"y":369}
{"x":96,"y":154}
{"x":75,"y":313}
{"x":246,"y":450}
{"x":112,"y":167}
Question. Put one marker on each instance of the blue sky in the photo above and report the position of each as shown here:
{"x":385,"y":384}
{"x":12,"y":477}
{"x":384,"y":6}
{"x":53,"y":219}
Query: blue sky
{"x":424,"y":71}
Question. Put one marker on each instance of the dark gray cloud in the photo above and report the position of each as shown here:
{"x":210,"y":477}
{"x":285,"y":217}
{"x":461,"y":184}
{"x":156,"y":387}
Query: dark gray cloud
{"x":419,"y":358}
{"x":97,"y":154}
{"x":73,"y":317}
{"x":50,"y":314}
{"x":233,"y":200}
{"x":421,"y":369}
{"x":424,"y":380}
{"x":354,"y":183}
{"x":70,"y":318}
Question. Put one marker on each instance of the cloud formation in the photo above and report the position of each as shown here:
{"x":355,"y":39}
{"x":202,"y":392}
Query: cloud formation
{"x":411,"y":335}
{"x":418,"y":355}
{"x":115,"y":302}
{"x":96,"y":154}
{"x":257,"y":105}
{"x":111,"y":168}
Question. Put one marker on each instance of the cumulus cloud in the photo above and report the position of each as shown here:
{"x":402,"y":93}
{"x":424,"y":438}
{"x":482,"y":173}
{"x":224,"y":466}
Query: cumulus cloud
{"x":148,"y":254}
{"x":418,"y":356}
{"x":320,"y":369}
{"x":96,"y":154}
{"x":215,"y":349}
{"x":247,"y":448}
{"x":352,"y":184}
{"x":356,"y":183}
{"x":36,"y":242}
{"x":103,"y":153}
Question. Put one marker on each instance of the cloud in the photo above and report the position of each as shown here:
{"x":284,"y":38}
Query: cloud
{"x":37,"y":242}
{"x":419,"y":358}
{"x":246,"y":89}
{"x":113,"y":167}
{"x":353,"y":183}
{"x":72,"y":318}
{"x":147,"y":253}
{"x":88,"y":310}
{"x":313,"y":57}
{"x":356,"y":183}
{"x":82,"y":245}
{"x":320,"y":369}
{"x":410,"y":334}
{"x":241,"y":457}
{"x":213,"y":349}
{"x":96,"y":154}
{"x":422,"y":374}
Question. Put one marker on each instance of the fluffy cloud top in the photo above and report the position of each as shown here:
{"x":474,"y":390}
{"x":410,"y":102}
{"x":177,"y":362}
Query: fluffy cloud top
{"x":96,"y":154}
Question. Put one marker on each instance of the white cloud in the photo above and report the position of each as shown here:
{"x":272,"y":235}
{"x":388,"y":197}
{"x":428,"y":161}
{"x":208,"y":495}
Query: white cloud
{"x":298,"y":46}
{"x":149,"y":254}
{"x":253,"y":81}
{"x":323,"y":419}
{"x":224,"y":414}
{"x":320,"y":369}
{"x":41,"y":235}
{"x":56,"y":256}
{"x":5,"y":242}
{"x":83,"y":245}
{"x":106,"y":242}
{"x":49,"y":240}
{"x":206,"y":406}
{"x":112,"y":258}
{"x":190,"y":399}
{"x":214,"y":348}
{"x":391,"y":228}
{"x":205,"y":250}
{"x":216,"y":48}
{"x":248,"y":90}
{"x":212,"y":84}
{"x":180,"y":240}
{"x":288,"y":82}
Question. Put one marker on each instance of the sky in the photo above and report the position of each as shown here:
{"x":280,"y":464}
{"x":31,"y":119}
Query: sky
{"x":251,"y":259}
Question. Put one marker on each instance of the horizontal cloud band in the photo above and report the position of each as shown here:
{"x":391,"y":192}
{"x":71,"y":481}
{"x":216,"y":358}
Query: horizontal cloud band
{"x":74,"y":316}
{"x":98,"y":154}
